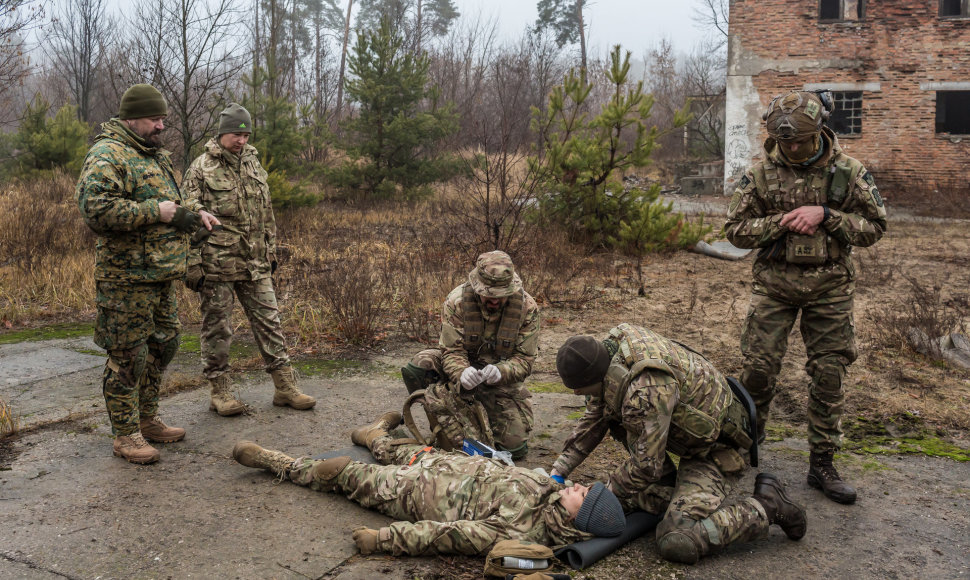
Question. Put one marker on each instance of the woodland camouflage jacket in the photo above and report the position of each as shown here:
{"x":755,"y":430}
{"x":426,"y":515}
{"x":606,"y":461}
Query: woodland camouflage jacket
{"x":121,"y":184}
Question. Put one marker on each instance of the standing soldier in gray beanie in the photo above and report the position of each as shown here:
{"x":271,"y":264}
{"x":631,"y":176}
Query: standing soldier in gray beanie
{"x":238,"y":260}
{"x":656,"y":397}
{"x":446,"y":502}
{"x":128,"y":195}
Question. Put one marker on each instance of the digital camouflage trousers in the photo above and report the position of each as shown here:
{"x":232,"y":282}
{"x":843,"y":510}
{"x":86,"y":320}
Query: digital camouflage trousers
{"x":139,"y":327}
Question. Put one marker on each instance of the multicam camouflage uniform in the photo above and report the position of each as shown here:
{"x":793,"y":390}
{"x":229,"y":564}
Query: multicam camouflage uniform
{"x":658,"y":397}
{"x":239,"y":259}
{"x":450,"y":503}
{"x":823,"y":292}
{"x":137,"y":260}
{"x":508,"y":404}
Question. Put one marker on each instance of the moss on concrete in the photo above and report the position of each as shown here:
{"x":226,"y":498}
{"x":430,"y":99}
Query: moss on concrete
{"x":52,"y":332}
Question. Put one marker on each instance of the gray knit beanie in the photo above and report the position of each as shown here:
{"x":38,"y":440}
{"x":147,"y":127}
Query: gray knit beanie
{"x":601,"y":513}
{"x":141,"y":101}
{"x":235,"y":119}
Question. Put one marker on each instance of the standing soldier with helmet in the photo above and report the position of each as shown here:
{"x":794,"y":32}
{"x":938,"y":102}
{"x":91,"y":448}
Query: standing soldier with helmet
{"x":489,"y":340}
{"x":804,"y":207}
{"x":237,"y":260}
{"x":128,"y":195}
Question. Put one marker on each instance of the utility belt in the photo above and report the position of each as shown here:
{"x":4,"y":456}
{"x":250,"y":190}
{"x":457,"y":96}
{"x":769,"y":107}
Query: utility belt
{"x":811,"y":250}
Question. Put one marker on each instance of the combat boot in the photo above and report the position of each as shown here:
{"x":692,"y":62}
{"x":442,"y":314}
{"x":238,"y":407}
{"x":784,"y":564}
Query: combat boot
{"x":781,"y":510}
{"x":366,"y":435}
{"x":222,"y":401}
{"x":251,"y":455}
{"x":286,"y":392}
{"x":153,"y":429}
{"x":135,"y":449}
{"x":823,"y":475}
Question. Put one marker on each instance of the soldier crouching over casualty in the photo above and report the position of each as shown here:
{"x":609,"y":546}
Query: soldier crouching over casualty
{"x":489,"y":340}
{"x":450,"y":503}
{"x":657,"y":396}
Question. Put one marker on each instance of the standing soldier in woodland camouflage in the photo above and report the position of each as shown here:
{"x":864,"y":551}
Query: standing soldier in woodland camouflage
{"x":489,"y":340}
{"x":128,"y":195}
{"x":804,"y":207}
{"x":656,"y":396}
{"x":237,"y":260}
{"x":451,"y":503}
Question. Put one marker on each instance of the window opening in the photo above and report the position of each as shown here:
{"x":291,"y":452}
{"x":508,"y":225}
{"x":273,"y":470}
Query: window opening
{"x":953,"y":112}
{"x":846,"y":119}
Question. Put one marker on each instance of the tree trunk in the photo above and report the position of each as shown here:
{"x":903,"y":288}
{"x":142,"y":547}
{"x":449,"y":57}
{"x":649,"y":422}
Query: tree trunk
{"x":343,"y":63}
{"x":582,"y":38}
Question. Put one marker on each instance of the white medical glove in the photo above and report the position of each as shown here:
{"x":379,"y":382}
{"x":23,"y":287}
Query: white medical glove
{"x":490,"y":374}
{"x":470,"y":378}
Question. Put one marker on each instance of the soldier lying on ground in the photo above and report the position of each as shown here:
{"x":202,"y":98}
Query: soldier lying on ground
{"x":452,"y":503}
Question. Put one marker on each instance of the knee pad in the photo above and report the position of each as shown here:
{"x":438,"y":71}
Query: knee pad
{"x":164,"y":352}
{"x":417,"y":378}
{"x":677,"y":546}
{"x":128,"y":364}
{"x":756,"y":380}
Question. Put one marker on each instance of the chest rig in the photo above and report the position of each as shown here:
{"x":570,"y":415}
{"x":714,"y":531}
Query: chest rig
{"x":513,"y":316}
{"x":703,"y":415}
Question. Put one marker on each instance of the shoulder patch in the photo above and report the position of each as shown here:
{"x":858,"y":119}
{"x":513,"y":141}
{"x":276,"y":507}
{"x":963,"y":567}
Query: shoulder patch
{"x":875,"y":195}
{"x":868,"y":178}
{"x":744,"y":182}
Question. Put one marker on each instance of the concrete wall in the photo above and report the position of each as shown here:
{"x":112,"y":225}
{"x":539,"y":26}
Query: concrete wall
{"x":898,"y":55}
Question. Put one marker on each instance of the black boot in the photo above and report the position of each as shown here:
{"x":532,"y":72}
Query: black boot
{"x":822,"y":475}
{"x":770,"y":492}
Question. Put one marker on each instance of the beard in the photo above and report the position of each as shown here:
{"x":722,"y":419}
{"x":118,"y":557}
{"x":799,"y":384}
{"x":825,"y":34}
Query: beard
{"x":153,"y":138}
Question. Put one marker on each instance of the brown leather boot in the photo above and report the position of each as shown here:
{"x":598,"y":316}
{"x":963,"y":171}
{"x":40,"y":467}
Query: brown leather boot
{"x":153,"y":429}
{"x":222,"y":400}
{"x":287,"y":394}
{"x":135,"y":449}
{"x":251,"y":455}
{"x":770,"y":492}
{"x":823,"y":475}
{"x":368,"y":433}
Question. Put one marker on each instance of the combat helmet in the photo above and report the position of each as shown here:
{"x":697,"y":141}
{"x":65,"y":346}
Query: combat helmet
{"x":797,"y":114}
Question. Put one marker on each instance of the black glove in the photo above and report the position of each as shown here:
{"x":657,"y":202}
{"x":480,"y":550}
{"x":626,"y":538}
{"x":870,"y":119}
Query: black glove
{"x":202,"y":234}
{"x":186,"y":221}
{"x":272,"y":267}
{"x":195,"y":278}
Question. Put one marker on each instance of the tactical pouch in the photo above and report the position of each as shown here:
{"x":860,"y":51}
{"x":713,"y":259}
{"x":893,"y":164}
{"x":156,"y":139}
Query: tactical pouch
{"x":728,"y":460}
{"x":518,"y":556}
{"x":802,"y":249}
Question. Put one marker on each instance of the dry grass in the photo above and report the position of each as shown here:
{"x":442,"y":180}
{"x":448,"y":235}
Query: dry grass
{"x":9,"y":425}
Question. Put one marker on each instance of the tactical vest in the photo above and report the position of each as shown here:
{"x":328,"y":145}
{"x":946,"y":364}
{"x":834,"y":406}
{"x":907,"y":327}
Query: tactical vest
{"x":513,"y":316}
{"x":706,"y":411}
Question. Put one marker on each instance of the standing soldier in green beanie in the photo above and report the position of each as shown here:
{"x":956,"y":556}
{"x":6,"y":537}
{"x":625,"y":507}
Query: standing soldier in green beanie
{"x":656,"y":397}
{"x":127,"y":194}
{"x":804,"y":207}
{"x":489,"y":340}
{"x":238,"y":260}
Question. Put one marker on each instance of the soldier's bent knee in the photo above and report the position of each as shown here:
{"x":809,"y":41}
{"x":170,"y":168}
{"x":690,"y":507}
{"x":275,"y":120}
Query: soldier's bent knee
{"x":518,"y":451}
{"x":417,"y":378}
{"x":677,"y":546}
{"x":128,"y":364}
{"x":164,"y":352}
{"x":756,"y":380}
{"x":687,"y":540}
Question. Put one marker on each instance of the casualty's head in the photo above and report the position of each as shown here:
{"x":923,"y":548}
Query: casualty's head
{"x":794,"y":120}
{"x":494,"y":279}
{"x":582,"y":362}
{"x":143,"y":109}
{"x":594,"y":509}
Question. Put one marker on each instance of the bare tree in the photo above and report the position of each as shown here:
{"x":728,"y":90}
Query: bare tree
{"x":192,"y":55}
{"x":704,"y":78}
{"x":17,"y":18}
{"x":77,"y":47}
{"x":713,"y":14}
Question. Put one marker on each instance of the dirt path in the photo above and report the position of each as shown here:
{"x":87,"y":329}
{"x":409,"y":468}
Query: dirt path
{"x":71,"y":510}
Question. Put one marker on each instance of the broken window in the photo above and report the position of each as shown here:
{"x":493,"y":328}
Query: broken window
{"x":838,"y":10}
{"x":953,"y":112}
{"x":846,"y":118}
{"x":954,"y":8}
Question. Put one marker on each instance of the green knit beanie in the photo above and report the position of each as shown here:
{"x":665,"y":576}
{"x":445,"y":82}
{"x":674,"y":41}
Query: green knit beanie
{"x":142,"y":101}
{"x":235,"y":119}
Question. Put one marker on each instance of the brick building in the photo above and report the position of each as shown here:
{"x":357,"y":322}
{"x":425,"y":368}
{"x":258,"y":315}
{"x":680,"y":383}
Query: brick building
{"x":899,"y":71}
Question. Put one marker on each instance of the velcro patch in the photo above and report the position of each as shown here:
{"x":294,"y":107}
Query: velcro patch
{"x":812,"y":109}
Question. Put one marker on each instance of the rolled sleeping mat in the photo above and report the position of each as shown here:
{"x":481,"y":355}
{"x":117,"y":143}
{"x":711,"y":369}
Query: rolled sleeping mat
{"x":584,"y":554}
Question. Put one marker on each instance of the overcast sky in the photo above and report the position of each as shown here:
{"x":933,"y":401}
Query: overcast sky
{"x":637,"y":25}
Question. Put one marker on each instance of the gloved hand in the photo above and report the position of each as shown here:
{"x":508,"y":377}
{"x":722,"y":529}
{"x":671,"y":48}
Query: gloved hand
{"x":195,"y":278}
{"x":366,"y":540}
{"x":490,"y":374}
{"x":272,"y":267}
{"x":186,"y":221}
{"x":202,"y":234}
{"x":558,"y":479}
{"x":471,"y":378}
